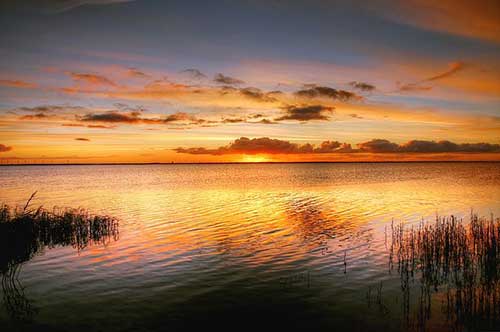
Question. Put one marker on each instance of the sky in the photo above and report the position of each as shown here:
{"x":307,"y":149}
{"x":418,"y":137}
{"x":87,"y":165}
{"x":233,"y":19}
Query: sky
{"x":105,"y":81}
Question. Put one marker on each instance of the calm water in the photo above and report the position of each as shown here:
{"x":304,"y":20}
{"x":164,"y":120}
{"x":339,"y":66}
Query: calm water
{"x":250,"y":245}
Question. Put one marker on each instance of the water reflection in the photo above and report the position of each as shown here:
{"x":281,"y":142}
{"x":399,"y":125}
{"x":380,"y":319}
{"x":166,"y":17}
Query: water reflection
{"x":17,"y":304}
{"x":297,"y":244}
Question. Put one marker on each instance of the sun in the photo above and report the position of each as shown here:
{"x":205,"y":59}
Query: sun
{"x":254,"y":159}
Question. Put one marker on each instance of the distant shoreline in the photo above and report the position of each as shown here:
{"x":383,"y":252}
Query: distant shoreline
{"x":264,"y":162}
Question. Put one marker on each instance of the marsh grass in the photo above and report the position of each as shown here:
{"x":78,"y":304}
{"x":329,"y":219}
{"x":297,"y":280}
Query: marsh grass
{"x":26,"y":232}
{"x":460,"y":259}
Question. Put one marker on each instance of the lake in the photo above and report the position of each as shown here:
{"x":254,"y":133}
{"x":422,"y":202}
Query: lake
{"x":302,"y":245}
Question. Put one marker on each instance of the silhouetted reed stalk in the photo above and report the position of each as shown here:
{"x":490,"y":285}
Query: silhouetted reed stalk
{"x":463,"y":256}
{"x":25,"y":232}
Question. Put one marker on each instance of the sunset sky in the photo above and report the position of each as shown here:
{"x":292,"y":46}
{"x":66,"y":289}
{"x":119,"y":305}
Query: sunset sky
{"x":205,"y":81}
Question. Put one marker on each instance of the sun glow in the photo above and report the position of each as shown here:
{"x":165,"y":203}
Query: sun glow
{"x":254,"y":159}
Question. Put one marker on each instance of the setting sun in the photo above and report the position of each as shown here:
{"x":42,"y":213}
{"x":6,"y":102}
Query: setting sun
{"x":254,"y":159}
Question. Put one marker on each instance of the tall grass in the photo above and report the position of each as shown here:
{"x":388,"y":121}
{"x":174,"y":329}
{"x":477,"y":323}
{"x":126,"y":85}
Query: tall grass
{"x":459,"y":258}
{"x":25,"y":232}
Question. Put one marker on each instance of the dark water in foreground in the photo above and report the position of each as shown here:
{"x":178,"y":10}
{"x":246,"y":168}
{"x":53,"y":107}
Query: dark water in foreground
{"x":241,"y":246}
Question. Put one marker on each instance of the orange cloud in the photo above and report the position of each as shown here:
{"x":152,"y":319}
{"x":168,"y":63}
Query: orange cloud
{"x":92,"y":79}
{"x":17,"y":84}
{"x":454,"y":67}
{"x":5,"y":148}
{"x":473,"y":19}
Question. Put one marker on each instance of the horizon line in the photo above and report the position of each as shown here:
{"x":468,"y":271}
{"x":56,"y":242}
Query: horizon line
{"x":250,"y":162}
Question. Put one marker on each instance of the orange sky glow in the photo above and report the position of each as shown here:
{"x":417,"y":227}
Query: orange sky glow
{"x":412,"y":81}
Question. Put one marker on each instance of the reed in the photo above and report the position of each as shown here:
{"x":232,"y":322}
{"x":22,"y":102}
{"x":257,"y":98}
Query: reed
{"x":453,"y":256}
{"x":25,"y":232}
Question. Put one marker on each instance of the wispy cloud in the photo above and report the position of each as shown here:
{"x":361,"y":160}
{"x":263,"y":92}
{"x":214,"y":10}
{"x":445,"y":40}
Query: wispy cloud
{"x":17,"y":84}
{"x":136,"y":73}
{"x":59,"y":6}
{"x":92,"y":79}
{"x":454,"y":68}
{"x":472,"y":19}
{"x":228,"y":80}
{"x":194,"y":73}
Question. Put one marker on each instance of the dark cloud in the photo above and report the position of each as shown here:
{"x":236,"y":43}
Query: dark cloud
{"x":37,"y":116}
{"x":257,"y":94}
{"x":100,"y":127}
{"x":5,"y":148}
{"x":356,"y":116}
{"x":233,"y":120}
{"x":378,"y":145}
{"x":82,"y":139}
{"x":323,"y":91}
{"x":224,"y":90}
{"x":183,"y":117}
{"x":222,"y":79}
{"x":87,"y":126}
{"x":422,"y":146}
{"x":306,"y":113}
{"x":362,"y":86}
{"x":134,"y":117}
{"x":266,"y":121}
{"x":194,"y":73}
{"x":333,"y":147}
{"x":73,"y":125}
{"x":447,"y":146}
{"x":112,"y":117}
{"x":50,"y":108}
{"x":267,"y":145}
{"x":134,"y":72}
